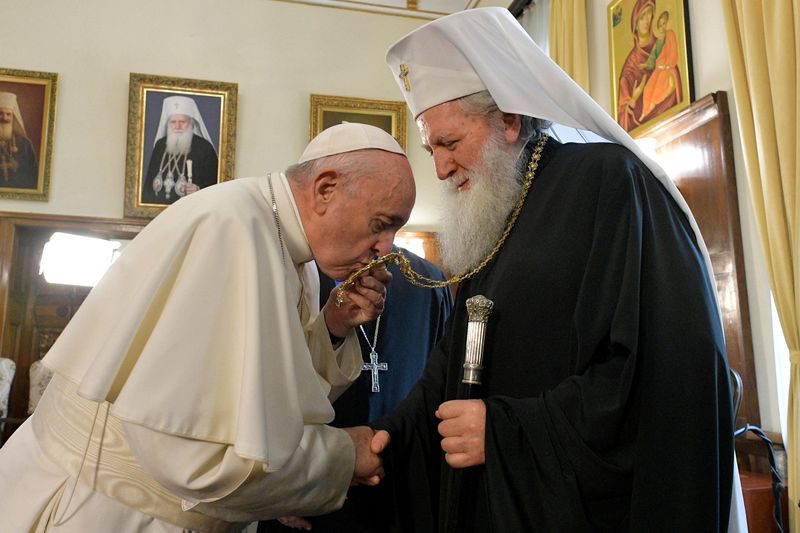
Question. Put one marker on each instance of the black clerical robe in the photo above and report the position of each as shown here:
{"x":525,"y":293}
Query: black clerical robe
{"x":606,"y":379}
{"x":18,"y":168}
{"x":412,"y":322}
{"x":204,"y":169}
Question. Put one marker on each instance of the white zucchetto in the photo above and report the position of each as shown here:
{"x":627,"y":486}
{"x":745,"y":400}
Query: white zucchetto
{"x":349,"y":137}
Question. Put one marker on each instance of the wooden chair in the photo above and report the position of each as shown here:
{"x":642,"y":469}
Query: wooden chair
{"x":7,"y":370}
{"x":40,"y":376}
{"x":762,"y":493}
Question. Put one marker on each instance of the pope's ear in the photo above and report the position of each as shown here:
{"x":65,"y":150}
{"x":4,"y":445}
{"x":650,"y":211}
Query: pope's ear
{"x":324,"y":188}
{"x":513,"y":125}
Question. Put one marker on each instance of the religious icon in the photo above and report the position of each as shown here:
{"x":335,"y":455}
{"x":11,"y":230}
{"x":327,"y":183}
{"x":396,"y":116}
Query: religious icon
{"x":180,"y":140}
{"x":650,"y":63}
{"x":27,"y":116}
{"x":184,"y":156}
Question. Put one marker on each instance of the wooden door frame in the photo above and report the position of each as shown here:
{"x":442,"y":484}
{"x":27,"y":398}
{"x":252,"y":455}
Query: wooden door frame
{"x":11,"y":223}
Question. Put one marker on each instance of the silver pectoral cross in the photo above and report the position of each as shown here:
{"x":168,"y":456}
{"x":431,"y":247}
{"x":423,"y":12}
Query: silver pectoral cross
{"x":374,"y":367}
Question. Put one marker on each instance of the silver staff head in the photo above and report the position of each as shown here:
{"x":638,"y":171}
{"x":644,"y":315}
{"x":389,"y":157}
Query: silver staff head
{"x":478,"y":310}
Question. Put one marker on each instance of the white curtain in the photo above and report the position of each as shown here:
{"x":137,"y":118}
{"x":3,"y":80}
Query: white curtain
{"x":764,"y":50}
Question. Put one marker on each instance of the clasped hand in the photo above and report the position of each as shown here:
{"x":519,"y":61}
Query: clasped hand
{"x":463,"y":430}
{"x":368,"y":469}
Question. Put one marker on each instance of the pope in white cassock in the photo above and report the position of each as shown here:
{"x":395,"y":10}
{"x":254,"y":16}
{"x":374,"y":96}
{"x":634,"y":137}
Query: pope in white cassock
{"x":193,"y":388}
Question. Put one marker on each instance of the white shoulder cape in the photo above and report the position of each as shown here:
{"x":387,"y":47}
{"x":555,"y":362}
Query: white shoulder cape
{"x":195,"y":331}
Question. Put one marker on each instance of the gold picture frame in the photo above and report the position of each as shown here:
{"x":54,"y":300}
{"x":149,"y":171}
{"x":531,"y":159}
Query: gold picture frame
{"x":157,"y":171}
{"x":389,"y":115}
{"x":26,"y":154}
{"x":650,"y":61}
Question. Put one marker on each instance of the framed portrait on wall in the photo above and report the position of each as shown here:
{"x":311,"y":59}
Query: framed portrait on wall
{"x":27,"y":122}
{"x":650,"y":59}
{"x":389,"y":115}
{"x":181,"y":138}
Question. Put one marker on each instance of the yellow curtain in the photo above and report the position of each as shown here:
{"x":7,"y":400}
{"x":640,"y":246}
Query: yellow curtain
{"x":763,"y":46}
{"x":568,"y":39}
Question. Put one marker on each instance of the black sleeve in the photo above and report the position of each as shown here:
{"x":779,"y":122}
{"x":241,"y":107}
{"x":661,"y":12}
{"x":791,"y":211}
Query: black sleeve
{"x":640,"y":437}
{"x":147,"y":195}
{"x":413,"y":459}
{"x":205,"y":165}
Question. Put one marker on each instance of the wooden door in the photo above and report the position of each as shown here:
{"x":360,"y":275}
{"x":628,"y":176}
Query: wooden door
{"x":696,"y":148}
{"x":37,"y":313}
{"x":33,"y":311}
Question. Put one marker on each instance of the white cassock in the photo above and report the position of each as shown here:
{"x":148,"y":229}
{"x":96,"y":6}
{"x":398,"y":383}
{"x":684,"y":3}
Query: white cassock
{"x":192,"y":388}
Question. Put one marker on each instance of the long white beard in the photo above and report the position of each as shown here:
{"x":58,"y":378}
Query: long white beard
{"x":179,"y":143}
{"x":473,"y":220}
{"x":6,"y":129}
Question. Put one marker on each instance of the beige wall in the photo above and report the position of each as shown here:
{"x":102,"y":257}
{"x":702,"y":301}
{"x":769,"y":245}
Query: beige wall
{"x":277,"y":52}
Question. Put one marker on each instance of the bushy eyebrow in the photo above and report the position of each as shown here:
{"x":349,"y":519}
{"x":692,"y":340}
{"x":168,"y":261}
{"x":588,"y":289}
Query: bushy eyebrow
{"x":395,"y":220}
{"x":441,"y":140}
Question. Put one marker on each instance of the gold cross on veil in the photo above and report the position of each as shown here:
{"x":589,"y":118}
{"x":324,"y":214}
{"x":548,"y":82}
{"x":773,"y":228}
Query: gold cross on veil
{"x":404,"y":76}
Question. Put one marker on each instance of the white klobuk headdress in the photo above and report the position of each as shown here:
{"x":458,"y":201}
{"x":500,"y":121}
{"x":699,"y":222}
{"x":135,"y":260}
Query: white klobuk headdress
{"x":9,"y":101}
{"x":486,"y":49}
{"x":181,"y":105}
{"x":349,"y":137}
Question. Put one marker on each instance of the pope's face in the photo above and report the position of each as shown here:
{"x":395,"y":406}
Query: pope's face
{"x":179,"y":123}
{"x":6,"y":115}
{"x":359,"y":225}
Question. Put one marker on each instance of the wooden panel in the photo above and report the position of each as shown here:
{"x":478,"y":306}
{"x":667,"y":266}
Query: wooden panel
{"x":430,"y":245}
{"x":696,"y":148}
{"x":759,"y":501}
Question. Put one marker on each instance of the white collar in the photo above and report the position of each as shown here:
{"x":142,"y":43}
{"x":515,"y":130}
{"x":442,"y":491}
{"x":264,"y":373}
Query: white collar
{"x":294,"y":236}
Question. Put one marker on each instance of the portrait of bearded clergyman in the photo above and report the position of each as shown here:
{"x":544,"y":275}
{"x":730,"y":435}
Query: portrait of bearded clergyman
{"x":18,"y":168}
{"x":184,"y":158}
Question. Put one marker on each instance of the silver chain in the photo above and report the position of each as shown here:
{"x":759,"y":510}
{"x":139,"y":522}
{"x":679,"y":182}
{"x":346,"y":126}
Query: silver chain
{"x":275,"y":212}
{"x":374,"y":344}
{"x":301,"y":303}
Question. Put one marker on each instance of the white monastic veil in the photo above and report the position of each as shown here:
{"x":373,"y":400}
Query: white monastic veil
{"x":182,"y":105}
{"x":487,"y":49}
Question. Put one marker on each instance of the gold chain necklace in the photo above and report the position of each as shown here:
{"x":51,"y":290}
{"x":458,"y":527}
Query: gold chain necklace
{"x":417,"y":279}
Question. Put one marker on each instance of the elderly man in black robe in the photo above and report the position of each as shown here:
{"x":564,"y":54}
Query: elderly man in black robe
{"x":605,"y":403}
{"x":183,"y":159}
